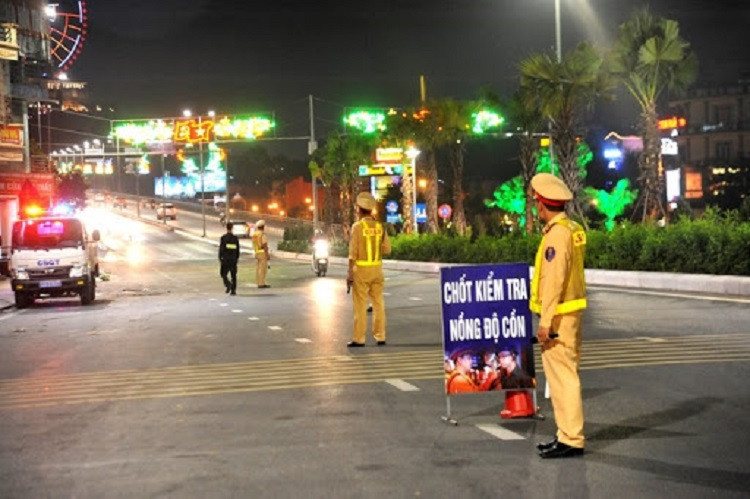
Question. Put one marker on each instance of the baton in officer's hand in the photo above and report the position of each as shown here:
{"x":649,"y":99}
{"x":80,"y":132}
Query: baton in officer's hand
{"x":535,"y":340}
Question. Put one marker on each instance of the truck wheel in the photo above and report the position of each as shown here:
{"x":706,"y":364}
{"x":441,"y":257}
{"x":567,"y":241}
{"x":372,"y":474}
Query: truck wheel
{"x":23,"y":300}
{"x":88,"y":294}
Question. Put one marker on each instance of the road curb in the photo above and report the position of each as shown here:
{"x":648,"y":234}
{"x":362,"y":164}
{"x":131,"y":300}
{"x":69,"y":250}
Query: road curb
{"x":663,"y":281}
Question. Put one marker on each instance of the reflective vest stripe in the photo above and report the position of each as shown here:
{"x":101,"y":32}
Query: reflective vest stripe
{"x":535,"y":303}
{"x":371,"y":233}
{"x":257,"y":246}
{"x":230,"y":246}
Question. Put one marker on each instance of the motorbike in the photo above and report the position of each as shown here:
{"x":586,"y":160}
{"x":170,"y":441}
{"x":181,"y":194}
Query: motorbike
{"x":222,"y":219}
{"x":320,"y":257}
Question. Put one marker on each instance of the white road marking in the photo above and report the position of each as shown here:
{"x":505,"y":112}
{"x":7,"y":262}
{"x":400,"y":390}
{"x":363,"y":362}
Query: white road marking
{"x":223,"y":304}
{"x":402,"y":385}
{"x":415,"y":298}
{"x":236,"y":311}
{"x":303,"y":340}
{"x":386,"y":294}
{"x":213,"y":299}
{"x":252,"y":318}
{"x":500,"y":432}
{"x":274,"y":328}
{"x":651,"y":339}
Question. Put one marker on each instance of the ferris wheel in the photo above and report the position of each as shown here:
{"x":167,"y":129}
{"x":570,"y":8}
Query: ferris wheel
{"x":68,"y":20}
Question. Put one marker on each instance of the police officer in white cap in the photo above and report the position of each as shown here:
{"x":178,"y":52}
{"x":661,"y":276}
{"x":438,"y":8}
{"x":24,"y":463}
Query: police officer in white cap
{"x":368,"y":243}
{"x":262,"y":255}
{"x":558,"y":295}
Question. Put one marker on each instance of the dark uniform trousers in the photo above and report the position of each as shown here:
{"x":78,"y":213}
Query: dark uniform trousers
{"x":229,"y":267}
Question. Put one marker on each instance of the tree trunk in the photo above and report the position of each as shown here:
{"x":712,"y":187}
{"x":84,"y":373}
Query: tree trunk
{"x":406,"y":200}
{"x":427,"y":165}
{"x":528,"y":151}
{"x":566,"y":154}
{"x":329,"y":203}
{"x":650,"y":176}
{"x":457,"y":163}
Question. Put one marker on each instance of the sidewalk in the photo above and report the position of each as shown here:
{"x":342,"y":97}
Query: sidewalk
{"x":7,"y":299}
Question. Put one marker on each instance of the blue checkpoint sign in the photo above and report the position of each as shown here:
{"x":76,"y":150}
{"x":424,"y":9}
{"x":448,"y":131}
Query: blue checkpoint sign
{"x":421,"y":213}
{"x":486,"y":316}
{"x":391,"y":206}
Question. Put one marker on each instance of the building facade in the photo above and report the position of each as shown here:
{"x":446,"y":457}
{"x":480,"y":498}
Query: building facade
{"x":714,"y":143}
{"x":24,"y":66}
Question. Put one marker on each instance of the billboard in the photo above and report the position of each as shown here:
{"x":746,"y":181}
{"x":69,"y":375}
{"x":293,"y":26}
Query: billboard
{"x":188,"y":187}
{"x":487,"y":328}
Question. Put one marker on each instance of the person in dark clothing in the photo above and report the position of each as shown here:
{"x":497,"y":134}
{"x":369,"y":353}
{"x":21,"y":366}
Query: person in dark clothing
{"x":511,"y":374}
{"x":229,"y":254}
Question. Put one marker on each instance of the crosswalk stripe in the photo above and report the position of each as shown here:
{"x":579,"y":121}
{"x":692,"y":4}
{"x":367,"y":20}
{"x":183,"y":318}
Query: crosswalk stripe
{"x":402,"y":385}
{"x":500,"y":432}
{"x":390,"y":367}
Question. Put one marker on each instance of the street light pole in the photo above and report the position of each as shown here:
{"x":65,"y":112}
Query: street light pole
{"x":558,"y":35}
{"x":311,"y":147}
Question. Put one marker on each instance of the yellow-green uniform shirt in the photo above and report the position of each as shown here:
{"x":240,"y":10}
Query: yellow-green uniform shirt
{"x":366,"y":234}
{"x":561,"y":284}
{"x":259,"y":239}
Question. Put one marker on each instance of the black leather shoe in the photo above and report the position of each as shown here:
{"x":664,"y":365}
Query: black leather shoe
{"x":233,"y":293}
{"x":546,"y":445}
{"x":381,"y":343}
{"x":228,"y":290}
{"x":352,"y":344}
{"x":561,"y":450}
{"x":369,"y":309}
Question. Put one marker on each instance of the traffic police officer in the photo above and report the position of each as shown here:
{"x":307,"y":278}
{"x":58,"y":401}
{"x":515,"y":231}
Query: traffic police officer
{"x":229,"y":253}
{"x":262,"y":255}
{"x":558,"y":295}
{"x":368,"y":243}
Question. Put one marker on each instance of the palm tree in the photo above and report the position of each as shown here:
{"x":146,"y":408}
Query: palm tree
{"x":417,"y":126}
{"x":340,"y":157}
{"x":649,"y":57}
{"x":563,"y":92}
{"x":452,"y":118}
{"x":526,"y":118}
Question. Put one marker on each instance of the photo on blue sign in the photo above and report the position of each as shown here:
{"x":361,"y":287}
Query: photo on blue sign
{"x":487,"y":328}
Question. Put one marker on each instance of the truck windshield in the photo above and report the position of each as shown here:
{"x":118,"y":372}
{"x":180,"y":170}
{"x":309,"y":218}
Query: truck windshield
{"x":47,"y":234}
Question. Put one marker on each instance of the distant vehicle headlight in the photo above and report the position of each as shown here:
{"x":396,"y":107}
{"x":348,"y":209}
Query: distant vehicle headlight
{"x":78,"y":270}
{"x":321,"y":248}
{"x":21,"y":274}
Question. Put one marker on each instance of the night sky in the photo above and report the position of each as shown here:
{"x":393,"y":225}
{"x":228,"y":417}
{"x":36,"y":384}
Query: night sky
{"x":151,"y":58}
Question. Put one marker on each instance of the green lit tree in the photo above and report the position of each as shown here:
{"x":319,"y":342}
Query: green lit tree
{"x":650,"y":57}
{"x":510,"y":197}
{"x":564,"y":91}
{"x":612,"y":204}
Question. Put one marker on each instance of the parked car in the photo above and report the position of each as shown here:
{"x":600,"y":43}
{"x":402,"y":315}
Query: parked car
{"x":242,"y":228}
{"x":166,"y":210}
{"x":120,"y":202}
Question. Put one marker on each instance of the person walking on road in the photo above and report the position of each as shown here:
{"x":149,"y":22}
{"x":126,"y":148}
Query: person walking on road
{"x":262,"y":255}
{"x":229,"y":254}
{"x":558,"y":295}
{"x":367,"y":244}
